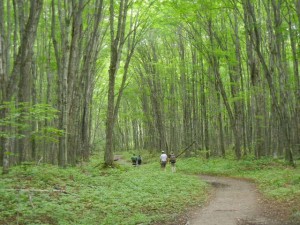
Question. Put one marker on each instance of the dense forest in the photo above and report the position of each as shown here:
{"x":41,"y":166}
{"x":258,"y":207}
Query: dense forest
{"x":80,"y":77}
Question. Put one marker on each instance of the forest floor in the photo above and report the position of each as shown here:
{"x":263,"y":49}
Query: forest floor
{"x":233,"y":201}
{"x":237,"y":202}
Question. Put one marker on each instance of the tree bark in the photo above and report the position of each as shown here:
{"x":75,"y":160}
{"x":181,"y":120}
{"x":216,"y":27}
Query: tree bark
{"x":62,"y":65}
{"x":21,"y":67}
{"x":233,"y":123}
{"x":116,"y":47}
{"x":295,"y":48}
{"x":73,"y":82}
{"x":88,"y":79}
{"x":281,"y":113}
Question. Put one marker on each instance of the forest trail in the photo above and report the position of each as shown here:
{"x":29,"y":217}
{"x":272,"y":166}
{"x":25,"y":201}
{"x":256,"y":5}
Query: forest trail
{"x":234,"y":202}
{"x":120,"y":160}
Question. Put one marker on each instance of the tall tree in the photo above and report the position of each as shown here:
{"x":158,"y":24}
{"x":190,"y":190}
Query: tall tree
{"x":21,"y":66}
{"x":279,"y":109}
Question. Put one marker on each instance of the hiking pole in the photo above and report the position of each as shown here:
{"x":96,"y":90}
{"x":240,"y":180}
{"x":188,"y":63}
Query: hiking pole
{"x":185,"y":149}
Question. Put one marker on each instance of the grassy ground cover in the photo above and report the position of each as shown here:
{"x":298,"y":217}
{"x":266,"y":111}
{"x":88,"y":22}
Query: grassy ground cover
{"x":92,"y":195}
{"x":126,"y":195}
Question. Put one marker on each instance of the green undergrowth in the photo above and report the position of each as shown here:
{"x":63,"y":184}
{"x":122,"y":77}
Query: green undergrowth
{"x":276,"y":180}
{"x":90,"y":195}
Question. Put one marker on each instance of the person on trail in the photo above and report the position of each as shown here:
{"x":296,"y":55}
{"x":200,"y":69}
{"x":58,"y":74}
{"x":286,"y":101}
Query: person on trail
{"x":134,"y":159}
{"x":139,"y":160}
{"x":163,"y":160}
{"x":172,"y":160}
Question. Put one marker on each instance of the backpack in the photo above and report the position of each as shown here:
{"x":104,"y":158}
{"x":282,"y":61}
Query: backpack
{"x":172,"y":158}
{"x":134,"y":160}
{"x":139,"y":160}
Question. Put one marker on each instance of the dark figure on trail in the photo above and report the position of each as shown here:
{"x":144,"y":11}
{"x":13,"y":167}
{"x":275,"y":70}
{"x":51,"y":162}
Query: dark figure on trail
{"x":134,"y":159}
{"x":139,"y":160}
{"x":163,"y":160}
{"x":172,"y":160}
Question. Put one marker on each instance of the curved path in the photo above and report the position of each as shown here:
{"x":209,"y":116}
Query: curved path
{"x":235,"y":202}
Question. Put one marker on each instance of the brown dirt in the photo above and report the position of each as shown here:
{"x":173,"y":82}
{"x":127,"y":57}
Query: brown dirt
{"x":236,"y":202}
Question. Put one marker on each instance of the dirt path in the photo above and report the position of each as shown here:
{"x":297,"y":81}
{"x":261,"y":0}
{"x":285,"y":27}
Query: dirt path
{"x":234,"y":202}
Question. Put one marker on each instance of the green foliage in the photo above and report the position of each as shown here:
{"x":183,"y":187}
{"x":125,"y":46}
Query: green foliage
{"x":91,"y":195}
{"x":21,"y":116}
{"x":49,"y":134}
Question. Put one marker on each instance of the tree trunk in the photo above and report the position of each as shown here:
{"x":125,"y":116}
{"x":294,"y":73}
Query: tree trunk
{"x":73,"y":82}
{"x":282,"y":114}
{"x":62,"y":64}
{"x":233,"y":123}
{"x":21,"y":68}
{"x":116,"y":47}
{"x":258,"y":97}
{"x":295,"y":49}
{"x":3,"y":79}
{"x":87,"y":79}
{"x":220,"y":121}
{"x":185,"y":91}
{"x":204,"y":114}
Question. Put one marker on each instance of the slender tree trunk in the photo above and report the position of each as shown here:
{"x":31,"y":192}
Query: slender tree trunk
{"x":21,"y":65}
{"x":220,"y":122}
{"x":282,"y":114}
{"x":233,"y":123}
{"x":34,"y":125}
{"x":204,"y":113}
{"x":4,"y":148}
{"x":197,"y":69}
{"x":257,"y":99}
{"x":185,"y":92}
{"x":116,"y":47}
{"x":87,"y":79}
{"x":73,"y":98}
{"x":173,"y":108}
{"x":3,"y":80}
{"x":149,"y":130}
{"x":238,"y":84}
{"x":62,"y":64}
{"x":295,"y":48}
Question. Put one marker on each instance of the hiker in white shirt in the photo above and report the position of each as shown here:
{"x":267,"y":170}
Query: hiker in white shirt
{"x":163,"y":160}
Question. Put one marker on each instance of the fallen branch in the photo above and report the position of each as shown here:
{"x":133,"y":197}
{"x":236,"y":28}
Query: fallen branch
{"x":30,"y":200}
{"x":185,"y":149}
{"x":39,"y":162}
